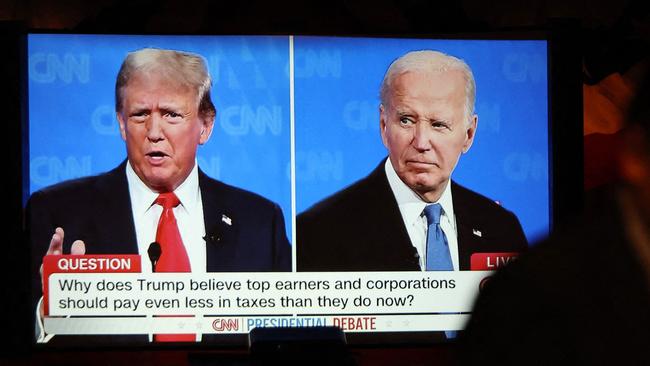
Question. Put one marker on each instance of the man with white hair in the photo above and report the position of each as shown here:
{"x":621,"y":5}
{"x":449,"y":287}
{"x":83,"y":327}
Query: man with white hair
{"x":408,"y":214}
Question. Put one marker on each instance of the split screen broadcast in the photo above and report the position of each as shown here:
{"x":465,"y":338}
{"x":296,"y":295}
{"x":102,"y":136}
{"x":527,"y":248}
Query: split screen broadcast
{"x":183,"y":188}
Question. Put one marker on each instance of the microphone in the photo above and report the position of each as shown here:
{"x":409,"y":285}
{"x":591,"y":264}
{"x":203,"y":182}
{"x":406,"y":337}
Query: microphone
{"x":222,"y":228}
{"x":212,"y":238}
{"x":154,"y":252}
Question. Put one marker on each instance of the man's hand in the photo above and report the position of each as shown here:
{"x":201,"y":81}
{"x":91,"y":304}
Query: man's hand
{"x":56,"y":247}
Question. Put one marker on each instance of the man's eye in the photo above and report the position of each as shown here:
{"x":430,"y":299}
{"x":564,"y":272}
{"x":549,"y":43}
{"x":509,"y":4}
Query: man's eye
{"x":405,"y":121}
{"x":439,"y":124}
{"x":173,"y":114}
{"x":140,"y":115}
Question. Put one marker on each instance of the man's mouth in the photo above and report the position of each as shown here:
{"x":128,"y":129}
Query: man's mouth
{"x":420,"y":163}
{"x":156,"y":156}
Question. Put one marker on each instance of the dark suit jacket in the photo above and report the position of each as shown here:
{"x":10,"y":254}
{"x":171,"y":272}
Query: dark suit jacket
{"x":579,"y":298}
{"x":361,"y":229}
{"x":97,"y":210}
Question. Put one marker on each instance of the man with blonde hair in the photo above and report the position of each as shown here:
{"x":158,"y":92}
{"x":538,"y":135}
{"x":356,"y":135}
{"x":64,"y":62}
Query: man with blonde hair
{"x":159,"y":194}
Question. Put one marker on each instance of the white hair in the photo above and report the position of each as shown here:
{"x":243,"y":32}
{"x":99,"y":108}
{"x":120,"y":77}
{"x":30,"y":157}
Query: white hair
{"x":430,"y":61}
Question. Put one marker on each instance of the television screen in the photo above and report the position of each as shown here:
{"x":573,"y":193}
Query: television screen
{"x":283,"y":222}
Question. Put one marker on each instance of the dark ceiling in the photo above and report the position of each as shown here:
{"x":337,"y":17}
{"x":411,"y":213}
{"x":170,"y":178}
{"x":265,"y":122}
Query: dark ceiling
{"x":615,"y":34}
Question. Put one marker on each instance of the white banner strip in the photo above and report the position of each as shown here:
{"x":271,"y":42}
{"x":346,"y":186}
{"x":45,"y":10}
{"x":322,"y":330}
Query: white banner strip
{"x":243,"y":325}
{"x":258,"y":294}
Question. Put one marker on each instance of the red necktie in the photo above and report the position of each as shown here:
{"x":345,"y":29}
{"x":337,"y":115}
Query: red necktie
{"x":173,"y":257}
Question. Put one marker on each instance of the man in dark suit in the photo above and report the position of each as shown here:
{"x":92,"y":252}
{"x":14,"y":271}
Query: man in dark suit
{"x":165,"y":112}
{"x":380,"y":223}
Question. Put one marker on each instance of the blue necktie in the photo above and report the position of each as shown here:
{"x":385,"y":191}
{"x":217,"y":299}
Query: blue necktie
{"x":438,"y":257}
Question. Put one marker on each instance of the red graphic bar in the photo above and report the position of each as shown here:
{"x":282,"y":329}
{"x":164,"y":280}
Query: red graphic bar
{"x":124,"y":263}
{"x":491,"y":261}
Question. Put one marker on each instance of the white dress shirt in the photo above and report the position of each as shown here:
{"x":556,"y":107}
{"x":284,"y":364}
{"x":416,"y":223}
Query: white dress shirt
{"x":189,"y":216}
{"x":411,"y":207}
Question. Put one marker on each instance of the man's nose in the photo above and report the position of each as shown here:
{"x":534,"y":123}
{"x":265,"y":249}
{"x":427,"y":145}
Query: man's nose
{"x":154,"y":127}
{"x":421,"y":137}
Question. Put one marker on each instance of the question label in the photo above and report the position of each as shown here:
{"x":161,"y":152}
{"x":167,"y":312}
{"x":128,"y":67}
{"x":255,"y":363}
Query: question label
{"x":134,"y":294}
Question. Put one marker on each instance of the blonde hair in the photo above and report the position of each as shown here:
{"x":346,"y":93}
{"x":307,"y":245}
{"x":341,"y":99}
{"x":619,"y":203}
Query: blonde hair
{"x":185,"y":68}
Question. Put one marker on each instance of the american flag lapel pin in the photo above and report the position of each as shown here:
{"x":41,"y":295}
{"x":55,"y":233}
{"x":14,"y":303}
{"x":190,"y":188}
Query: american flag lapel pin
{"x":226,"y":219}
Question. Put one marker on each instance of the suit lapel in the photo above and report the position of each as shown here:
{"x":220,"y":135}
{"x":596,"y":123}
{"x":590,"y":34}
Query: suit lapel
{"x":470,"y":236}
{"x":116,"y":216}
{"x":390,"y":234}
{"x":221,"y":225}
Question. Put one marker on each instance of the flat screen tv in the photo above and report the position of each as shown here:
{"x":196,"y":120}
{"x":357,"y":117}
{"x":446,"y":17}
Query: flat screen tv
{"x":298,"y":120}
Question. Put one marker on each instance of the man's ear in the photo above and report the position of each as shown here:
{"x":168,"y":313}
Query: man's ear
{"x":207,"y":124}
{"x":383,"y":119}
{"x":122,"y":123}
{"x":470,"y":132}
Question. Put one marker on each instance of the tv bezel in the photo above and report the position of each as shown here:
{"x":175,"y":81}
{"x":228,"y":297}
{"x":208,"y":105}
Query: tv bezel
{"x":565,"y":168}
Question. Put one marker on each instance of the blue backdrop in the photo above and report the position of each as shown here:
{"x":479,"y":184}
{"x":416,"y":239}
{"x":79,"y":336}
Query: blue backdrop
{"x":337,"y":118}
